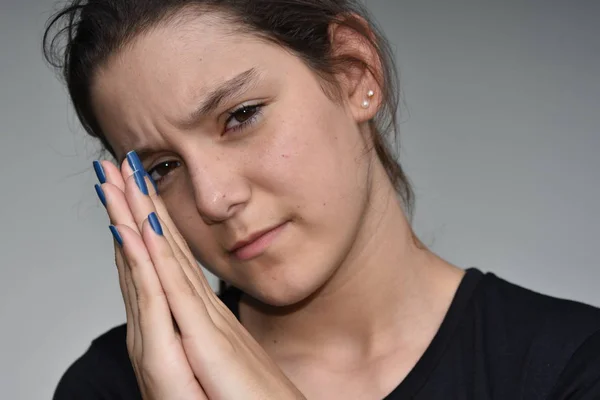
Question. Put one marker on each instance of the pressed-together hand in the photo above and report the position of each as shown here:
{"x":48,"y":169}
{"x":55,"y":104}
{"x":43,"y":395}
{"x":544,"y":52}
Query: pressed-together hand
{"x":183,"y":342}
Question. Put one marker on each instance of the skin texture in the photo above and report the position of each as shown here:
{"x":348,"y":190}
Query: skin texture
{"x":172,"y":312}
{"x":342,"y":298}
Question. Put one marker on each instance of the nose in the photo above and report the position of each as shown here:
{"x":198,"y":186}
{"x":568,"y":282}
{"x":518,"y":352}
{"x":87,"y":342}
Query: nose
{"x":220,"y":191}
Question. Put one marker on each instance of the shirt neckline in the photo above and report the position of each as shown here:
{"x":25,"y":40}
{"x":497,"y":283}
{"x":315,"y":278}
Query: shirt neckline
{"x":419,"y":374}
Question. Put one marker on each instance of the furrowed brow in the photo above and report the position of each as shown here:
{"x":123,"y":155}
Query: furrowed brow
{"x":221,"y":94}
{"x":214,"y":99}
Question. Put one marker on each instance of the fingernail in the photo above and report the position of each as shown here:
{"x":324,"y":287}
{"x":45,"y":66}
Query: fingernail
{"x":134,"y":161}
{"x":155,"y":223}
{"x":116,"y":235}
{"x":100,"y":194}
{"x":99,"y":172}
{"x":140,"y":181}
{"x":153,"y":183}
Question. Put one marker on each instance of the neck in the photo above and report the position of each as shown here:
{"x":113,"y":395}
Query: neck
{"x":389,"y":291}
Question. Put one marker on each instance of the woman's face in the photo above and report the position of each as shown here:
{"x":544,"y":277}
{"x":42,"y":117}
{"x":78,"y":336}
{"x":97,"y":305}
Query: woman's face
{"x":242,"y":140}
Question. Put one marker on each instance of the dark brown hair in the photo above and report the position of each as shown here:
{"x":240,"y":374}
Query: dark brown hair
{"x":83,"y":35}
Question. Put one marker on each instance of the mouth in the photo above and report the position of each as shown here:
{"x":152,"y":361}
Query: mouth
{"x":256,"y":244}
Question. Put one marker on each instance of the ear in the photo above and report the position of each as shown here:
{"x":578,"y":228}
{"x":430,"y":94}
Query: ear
{"x":360,"y":72}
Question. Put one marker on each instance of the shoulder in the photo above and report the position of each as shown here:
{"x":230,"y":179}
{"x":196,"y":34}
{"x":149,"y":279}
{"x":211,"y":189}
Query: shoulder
{"x":102,"y":372}
{"x":555,"y":342}
{"x":580,"y":378}
{"x":517,"y":308}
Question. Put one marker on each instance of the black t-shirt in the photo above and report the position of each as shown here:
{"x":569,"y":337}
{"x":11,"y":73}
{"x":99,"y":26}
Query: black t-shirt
{"x":497,"y":341}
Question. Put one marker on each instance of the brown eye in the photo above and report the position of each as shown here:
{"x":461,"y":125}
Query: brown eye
{"x":160,"y":170}
{"x":244,"y":113}
{"x":242,"y":116}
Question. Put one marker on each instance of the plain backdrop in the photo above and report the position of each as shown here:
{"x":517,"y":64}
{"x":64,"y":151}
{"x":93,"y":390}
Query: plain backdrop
{"x":500,"y":136}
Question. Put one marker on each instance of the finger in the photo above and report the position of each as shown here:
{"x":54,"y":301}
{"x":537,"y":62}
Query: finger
{"x":129,"y":299}
{"x":134,"y":337}
{"x":186,"y":303}
{"x":138,"y":189}
{"x":143,"y":200}
{"x":133,"y":163}
{"x":163,"y":213}
{"x":106,"y":171}
{"x":153,"y":313}
{"x":189,"y":266}
{"x":109,"y":176}
{"x":180,"y":247}
{"x":159,"y":360}
{"x":111,"y":192}
{"x":132,"y":207}
{"x":216,"y":309}
{"x":117,"y":207}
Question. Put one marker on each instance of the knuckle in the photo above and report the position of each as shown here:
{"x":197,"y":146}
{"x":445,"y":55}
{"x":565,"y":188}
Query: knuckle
{"x":147,"y":300}
{"x":147,"y":369}
{"x":165,"y":254}
{"x":152,"y":365}
{"x":188,"y":290}
{"x":135,"y":263}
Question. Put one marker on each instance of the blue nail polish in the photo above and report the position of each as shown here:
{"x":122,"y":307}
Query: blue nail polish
{"x":116,"y":235}
{"x":140,"y":181}
{"x":99,"y":172}
{"x":100,"y":194}
{"x":155,"y":223}
{"x":134,"y":161}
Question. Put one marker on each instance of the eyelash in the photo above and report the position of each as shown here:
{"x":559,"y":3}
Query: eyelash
{"x":248,"y":107}
{"x":257,"y":113}
{"x":162,"y":164}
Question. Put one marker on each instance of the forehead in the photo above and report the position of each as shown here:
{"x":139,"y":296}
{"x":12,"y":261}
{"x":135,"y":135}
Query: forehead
{"x":178,"y":49}
{"x":167,"y":70}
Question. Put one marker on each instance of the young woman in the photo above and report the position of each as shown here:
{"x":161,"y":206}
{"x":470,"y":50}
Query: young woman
{"x":253,"y":136}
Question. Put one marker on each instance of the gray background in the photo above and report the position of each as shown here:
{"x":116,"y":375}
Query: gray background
{"x":500,"y":134}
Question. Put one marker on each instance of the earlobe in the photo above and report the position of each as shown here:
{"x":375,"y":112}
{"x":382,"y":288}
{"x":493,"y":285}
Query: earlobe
{"x":366,"y":97}
{"x":360,"y":70}
{"x":367,"y":102}
{"x":368,"y":106}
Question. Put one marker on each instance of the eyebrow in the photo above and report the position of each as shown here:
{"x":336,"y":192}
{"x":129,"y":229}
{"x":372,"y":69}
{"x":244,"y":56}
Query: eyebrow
{"x":226,"y":91}
{"x":229,"y":89}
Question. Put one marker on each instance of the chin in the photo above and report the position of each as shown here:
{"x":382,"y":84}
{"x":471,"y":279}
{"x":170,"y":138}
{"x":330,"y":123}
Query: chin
{"x":286,"y":291}
{"x":283,"y":299}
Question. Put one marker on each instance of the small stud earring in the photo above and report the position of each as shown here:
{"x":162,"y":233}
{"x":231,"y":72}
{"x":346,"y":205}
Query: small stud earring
{"x":366,"y":104}
{"x":370,"y":93}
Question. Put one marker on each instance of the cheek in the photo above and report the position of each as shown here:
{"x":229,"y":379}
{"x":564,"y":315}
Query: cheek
{"x":190,"y":225}
{"x":183,"y":211}
{"x":313,"y":161}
